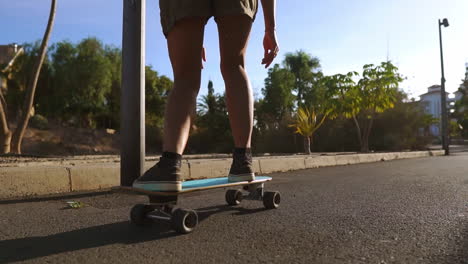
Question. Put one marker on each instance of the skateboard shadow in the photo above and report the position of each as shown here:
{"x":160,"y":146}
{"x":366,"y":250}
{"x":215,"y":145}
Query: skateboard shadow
{"x":460,"y":254}
{"x":205,"y":212}
{"x":28,"y":248}
{"x":124,"y":232}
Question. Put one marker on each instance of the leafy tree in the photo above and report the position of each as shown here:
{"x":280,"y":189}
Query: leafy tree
{"x":337,"y":134}
{"x":57,"y":97}
{"x":112,"y":110}
{"x":85,"y":83}
{"x":157,"y":89}
{"x":93,"y":81}
{"x":401,"y":127}
{"x":454,"y":129}
{"x":375,"y":92}
{"x":461,"y":108}
{"x":427,"y":121}
{"x":317,"y":93}
{"x":83,"y":78}
{"x":278,"y":99}
{"x":339,"y":89}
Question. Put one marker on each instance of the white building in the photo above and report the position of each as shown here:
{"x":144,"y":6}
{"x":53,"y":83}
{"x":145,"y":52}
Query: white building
{"x":8,"y":54}
{"x":430,"y":102}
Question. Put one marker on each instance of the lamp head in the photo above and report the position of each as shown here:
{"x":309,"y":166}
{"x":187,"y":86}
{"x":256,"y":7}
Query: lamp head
{"x":445,"y":22}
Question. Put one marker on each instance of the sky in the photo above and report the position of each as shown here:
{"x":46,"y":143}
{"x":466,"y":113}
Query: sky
{"x":343,"y":34}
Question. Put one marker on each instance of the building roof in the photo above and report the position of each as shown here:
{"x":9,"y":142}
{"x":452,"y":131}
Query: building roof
{"x":8,"y":54}
{"x":434,"y":89}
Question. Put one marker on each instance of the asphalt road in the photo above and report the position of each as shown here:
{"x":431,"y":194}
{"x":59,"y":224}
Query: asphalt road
{"x":406,"y":211}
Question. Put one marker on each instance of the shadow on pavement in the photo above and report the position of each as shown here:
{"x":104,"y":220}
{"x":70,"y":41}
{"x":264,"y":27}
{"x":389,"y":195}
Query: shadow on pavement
{"x":463,"y":250}
{"x":204,"y":213}
{"x":459,"y":255}
{"x":117,"y":233}
{"x":124,"y":232}
{"x":57,"y":197}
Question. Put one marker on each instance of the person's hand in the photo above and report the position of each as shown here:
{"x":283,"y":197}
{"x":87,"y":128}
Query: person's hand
{"x":203,"y":56}
{"x":270,"y":46}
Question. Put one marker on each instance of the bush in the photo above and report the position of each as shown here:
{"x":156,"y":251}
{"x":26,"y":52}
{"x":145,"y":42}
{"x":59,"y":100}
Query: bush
{"x":39,"y":122}
{"x":153,"y":139}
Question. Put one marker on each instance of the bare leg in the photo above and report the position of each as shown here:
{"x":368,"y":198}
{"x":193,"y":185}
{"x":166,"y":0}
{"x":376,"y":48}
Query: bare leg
{"x":234,"y":33}
{"x":185,"y":42}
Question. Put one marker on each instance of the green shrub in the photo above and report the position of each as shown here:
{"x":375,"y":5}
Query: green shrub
{"x":39,"y":122}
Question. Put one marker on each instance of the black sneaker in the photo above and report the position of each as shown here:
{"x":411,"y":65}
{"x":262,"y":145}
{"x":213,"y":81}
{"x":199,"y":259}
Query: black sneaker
{"x":241,"y":168}
{"x":162,"y":177}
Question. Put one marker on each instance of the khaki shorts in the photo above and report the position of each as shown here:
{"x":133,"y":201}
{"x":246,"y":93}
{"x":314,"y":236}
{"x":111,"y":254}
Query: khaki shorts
{"x":174,"y":10}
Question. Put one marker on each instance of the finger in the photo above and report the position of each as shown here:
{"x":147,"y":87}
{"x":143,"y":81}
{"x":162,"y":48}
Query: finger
{"x":269,"y":59}
{"x":265,"y":52}
{"x":268,"y":62}
{"x":266,"y":57}
{"x":276,"y":51}
{"x":203,"y":58}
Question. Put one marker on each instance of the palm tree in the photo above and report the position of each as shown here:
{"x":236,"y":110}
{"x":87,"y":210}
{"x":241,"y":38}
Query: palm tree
{"x":304,"y":67}
{"x":208,"y":102}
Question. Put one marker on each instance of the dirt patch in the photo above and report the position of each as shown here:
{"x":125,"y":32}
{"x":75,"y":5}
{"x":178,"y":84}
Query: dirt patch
{"x":68,"y":141}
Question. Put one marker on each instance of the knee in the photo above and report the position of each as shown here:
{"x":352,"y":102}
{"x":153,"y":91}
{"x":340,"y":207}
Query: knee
{"x":187,"y":80}
{"x":187,"y":73}
{"x":232,"y":67}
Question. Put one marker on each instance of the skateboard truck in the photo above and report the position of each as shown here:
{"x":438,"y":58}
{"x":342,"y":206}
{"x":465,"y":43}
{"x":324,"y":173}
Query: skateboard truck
{"x":184,"y":221}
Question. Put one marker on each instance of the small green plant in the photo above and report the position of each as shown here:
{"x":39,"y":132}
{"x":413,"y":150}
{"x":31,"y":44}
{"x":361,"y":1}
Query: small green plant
{"x":75,"y":205}
{"x":39,"y":122}
{"x":306,"y":123}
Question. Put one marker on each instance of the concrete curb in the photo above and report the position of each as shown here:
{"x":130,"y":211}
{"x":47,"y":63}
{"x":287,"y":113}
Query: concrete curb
{"x":47,"y":179}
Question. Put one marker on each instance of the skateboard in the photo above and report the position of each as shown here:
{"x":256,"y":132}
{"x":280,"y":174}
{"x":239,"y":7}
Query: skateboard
{"x":161,"y":205}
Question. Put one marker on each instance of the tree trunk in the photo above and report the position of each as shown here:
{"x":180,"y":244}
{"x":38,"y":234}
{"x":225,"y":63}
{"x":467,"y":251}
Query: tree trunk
{"x":5,"y":132}
{"x":29,"y":98}
{"x":358,"y":128}
{"x":307,"y":145}
{"x":365,"y":145}
{"x":365,"y":136}
{"x":5,"y":142}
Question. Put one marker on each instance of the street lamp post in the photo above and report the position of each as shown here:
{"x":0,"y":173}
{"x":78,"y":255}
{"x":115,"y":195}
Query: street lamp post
{"x":132,"y":124}
{"x":443,"y":96}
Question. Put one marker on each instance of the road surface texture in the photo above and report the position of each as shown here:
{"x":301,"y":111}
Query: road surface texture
{"x":406,"y":211}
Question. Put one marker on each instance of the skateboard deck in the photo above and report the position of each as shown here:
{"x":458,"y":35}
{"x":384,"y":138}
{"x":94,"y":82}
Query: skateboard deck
{"x":196,"y":185}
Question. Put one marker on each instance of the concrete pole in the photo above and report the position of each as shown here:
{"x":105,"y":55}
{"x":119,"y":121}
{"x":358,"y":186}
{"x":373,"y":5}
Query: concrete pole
{"x":132,"y":102}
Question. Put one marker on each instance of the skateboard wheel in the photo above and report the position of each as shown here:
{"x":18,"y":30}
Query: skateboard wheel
{"x":233,"y":197}
{"x":271,"y":200}
{"x":138,"y":214}
{"x":184,"y":221}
